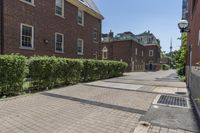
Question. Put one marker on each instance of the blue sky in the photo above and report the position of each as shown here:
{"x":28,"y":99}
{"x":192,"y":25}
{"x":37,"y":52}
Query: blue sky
{"x":158,"y":16}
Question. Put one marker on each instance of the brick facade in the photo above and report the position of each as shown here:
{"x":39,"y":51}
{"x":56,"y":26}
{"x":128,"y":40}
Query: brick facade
{"x":42,"y":17}
{"x":125,"y":50}
{"x":194,"y":34}
{"x":152,"y":62}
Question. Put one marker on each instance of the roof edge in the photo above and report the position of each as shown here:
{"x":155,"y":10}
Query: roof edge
{"x":85,"y":8}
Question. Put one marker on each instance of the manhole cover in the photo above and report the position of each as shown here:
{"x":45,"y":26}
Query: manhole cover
{"x":172,"y":101}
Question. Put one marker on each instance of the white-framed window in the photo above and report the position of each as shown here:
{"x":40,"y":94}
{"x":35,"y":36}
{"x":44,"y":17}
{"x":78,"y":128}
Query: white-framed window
{"x":95,"y":36}
{"x":199,"y":39}
{"x":136,"y":51}
{"x":105,"y":53}
{"x":59,"y":42}
{"x":59,"y":8}
{"x":80,"y":17}
{"x":80,"y":45}
{"x":150,"y":53}
{"x":27,"y":36}
{"x":30,"y":2}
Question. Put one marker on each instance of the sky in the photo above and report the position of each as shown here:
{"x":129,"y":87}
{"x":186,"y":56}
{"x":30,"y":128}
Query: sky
{"x":161,"y":17}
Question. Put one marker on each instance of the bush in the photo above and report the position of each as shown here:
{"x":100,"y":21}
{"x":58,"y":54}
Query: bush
{"x":165,"y":67}
{"x":44,"y":72}
{"x":48,"y":72}
{"x":96,"y":69}
{"x":13,"y":70}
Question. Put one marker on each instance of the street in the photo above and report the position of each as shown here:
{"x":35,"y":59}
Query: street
{"x":140,"y":102}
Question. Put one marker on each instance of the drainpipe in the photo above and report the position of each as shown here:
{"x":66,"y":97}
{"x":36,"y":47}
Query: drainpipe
{"x":2,"y":26}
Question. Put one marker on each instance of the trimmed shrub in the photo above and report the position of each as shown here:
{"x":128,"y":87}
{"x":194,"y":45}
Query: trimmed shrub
{"x":99,"y":69}
{"x":13,"y":70}
{"x":48,"y":72}
{"x":165,"y":67}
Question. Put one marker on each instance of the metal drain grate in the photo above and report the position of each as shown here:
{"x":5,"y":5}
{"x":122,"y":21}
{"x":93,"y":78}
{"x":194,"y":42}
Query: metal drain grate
{"x":173,"y":101}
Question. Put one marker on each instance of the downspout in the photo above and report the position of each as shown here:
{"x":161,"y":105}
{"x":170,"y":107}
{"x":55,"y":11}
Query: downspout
{"x":2,"y":26}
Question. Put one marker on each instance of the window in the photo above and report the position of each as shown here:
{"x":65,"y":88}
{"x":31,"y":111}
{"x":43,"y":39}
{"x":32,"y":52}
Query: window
{"x":142,"y":53}
{"x":151,"y":53}
{"x":31,"y":2}
{"x":95,"y":36}
{"x":59,"y":8}
{"x":80,"y":47}
{"x":136,"y":51}
{"x":27,"y":36}
{"x":59,"y":42}
{"x":105,"y":53}
{"x":80,"y":17}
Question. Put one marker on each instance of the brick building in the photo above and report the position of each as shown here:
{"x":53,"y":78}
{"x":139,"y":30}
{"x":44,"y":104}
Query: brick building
{"x":127,"y":47}
{"x":194,"y":41}
{"x":69,"y":28}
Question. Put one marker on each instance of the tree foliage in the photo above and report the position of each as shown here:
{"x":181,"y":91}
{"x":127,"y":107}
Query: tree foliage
{"x":181,"y":56}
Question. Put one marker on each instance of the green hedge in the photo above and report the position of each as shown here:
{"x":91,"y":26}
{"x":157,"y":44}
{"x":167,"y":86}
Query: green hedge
{"x":52,"y":71}
{"x":97,"y":69}
{"x":42,"y":72}
{"x":13,"y":70}
{"x":165,"y":67}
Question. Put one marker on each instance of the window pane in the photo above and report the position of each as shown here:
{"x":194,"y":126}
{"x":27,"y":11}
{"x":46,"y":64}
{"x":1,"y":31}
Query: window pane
{"x":26,"y":36}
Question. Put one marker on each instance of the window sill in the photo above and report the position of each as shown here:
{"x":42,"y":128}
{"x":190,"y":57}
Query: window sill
{"x":96,"y":42}
{"x":59,"y":52}
{"x":81,"y":54}
{"x":26,"y":48}
{"x":31,"y":4}
{"x":61,"y":16}
{"x":81,"y":24}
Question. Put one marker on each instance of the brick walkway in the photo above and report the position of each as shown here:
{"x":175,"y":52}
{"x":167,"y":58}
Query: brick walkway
{"x":78,"y":109}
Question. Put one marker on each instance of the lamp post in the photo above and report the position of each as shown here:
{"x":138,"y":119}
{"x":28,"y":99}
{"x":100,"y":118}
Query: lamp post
{"x":184,"y":27}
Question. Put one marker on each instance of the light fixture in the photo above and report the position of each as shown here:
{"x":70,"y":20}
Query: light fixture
{"x":183,"y":26}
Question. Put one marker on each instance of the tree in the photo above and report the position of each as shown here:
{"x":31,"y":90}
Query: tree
{"x":181,"y":56}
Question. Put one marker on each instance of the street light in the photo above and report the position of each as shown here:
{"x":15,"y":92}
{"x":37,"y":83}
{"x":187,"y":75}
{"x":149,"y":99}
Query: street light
{"x":184,"y":27}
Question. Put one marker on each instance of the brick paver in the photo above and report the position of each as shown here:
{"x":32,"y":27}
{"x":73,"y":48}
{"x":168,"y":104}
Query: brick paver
{"x":79,"y":109}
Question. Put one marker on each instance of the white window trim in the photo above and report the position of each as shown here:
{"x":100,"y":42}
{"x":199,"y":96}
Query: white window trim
{"x":29,"y":3}
{"x":151,"y":51}
{"x":83,"y":18}
{"x":136,"y":51}
{"x":105,"y":50}
{"x":63,"y":10}
{"x":80,"y":53}
{"x":32,"y":41}
{"x":63,"y":38}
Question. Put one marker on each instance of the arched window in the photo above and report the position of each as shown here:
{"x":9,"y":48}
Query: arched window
{"x":105,"y":53}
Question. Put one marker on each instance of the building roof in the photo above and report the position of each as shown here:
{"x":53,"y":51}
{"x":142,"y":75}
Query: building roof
{"x":91,"y":5}
{"x":88,"y":6}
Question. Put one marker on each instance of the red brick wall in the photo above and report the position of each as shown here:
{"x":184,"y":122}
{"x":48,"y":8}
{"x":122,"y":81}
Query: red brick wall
{"x":194,"y":21}
{"x":46,"y":23}
{"x":155,"y":59}
{"x":125,"y":50}
{"x":1,"y":25}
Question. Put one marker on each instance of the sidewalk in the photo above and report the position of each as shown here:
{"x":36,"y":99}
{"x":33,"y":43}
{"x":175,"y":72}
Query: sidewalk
{"x":99,"y":107}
